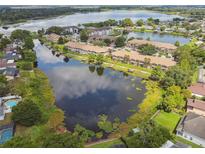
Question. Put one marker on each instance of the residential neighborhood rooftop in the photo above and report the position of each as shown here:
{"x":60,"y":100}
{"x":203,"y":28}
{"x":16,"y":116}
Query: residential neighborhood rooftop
{"x":134,"y":55}
{"x":199,"y":104}
{"x":198,"y":88}
{"x":194,"y":124}
{"x":53,"y":37}
{"x":162,"y":45}
{"x":87,"y":47}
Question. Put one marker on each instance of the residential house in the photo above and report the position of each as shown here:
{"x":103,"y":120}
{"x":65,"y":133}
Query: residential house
{"x":136,"y":58}
{"x":53,"y":37}
{"x":196,"y":106}
{"x":72,"y":30}
{"x":159,"y":45}
{"x":86,"y":48}
{"x":198,"y":89}
{"x":12,"y":56}
{"x":99,"y":31}
{"x":192,"y":128}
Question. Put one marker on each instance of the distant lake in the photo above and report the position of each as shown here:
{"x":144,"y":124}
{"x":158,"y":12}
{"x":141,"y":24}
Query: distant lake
{"x":166,"y":38}
{"x":80,"y":18}
{"x":84,"y":91}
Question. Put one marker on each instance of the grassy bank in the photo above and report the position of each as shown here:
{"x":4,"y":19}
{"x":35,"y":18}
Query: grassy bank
{"x":148,"y":107}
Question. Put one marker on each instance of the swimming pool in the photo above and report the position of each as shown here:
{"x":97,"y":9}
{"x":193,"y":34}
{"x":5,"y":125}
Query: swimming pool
{"x":11,"y":103}
{"x":6,"y":135}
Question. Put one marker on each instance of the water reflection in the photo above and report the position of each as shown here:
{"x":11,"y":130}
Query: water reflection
{"x":84,"y":91}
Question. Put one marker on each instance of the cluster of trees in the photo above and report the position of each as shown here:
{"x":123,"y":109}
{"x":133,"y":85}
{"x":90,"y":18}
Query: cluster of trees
{"x":174,"y":99}
{"x":107,"y":126}
{"x":147,"y":49}
{"x":4,"y":40}
{"x":150,"y":135}
{"x":84,"y":35}
{"x":4,"y":87}
{"x":95,"y":59}
{"x":120,"y":41}
{"x":109,"y":22}
{"x":55,"y":29}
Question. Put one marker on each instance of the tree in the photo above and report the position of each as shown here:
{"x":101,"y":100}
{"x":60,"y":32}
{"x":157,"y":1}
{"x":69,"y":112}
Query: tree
{"x":84,"y":35}
{"x":175,"y":98}
{"x":28,"y":43}
{"x":66,"y":140}
{"x":120,"y":41}
{"x":26,"y":113}
{"x":83,"y":134}
{"x":104,"y":124}
{"x":60,"y":40}
{"x":56,"y":119}
{"x":91,"y":58}
{"x":20,"y":34}
{"x":181,"y":78}
{"x":55,"y":29}
{"x":140,"y":22}
{"x":3,"y":42}
{"x":29,"y":56}
{"x":151,"y":135}
{"x":147,"y":49}
{"x":107,"y":41}
{"x":162,"y":28}
{"x":157,"y":74}
{"x":99,"y":59}
{"x":4,"y":89}
{"x":127,"y":22}
{"x":177,"y":44}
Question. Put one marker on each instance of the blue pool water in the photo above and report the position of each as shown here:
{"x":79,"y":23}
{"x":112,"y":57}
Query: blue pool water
{"x":11,"y":103}
{"x":6,"y":135}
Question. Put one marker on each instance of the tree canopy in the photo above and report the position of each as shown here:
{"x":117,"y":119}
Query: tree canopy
{"x":26,"y":113}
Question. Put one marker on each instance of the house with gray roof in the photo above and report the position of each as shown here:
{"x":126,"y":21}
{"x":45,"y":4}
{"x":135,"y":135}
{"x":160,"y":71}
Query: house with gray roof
{"x":192,"y":128}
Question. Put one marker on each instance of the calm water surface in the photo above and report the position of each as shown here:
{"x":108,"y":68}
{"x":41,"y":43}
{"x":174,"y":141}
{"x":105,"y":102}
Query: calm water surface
{"x":166,"y":38}
{"x":85,"y":92}
{"x":80,"y":18}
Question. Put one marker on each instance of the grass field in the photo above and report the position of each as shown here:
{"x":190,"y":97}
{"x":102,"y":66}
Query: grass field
{"x":168,"y":120}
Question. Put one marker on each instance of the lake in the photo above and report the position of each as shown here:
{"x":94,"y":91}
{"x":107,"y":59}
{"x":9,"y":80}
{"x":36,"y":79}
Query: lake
{"x":80,"y":18}
{"x":84,"y":91}
{"x":166,"y":38}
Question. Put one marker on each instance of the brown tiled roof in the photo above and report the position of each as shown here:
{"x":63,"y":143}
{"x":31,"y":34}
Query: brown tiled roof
{"x":134,"y":55}
{"x":86,"y":47}
{"x":198,"y":88}
{"x":199,"y":104}
{"x":154,"y":43}
{"x":53,"y":37}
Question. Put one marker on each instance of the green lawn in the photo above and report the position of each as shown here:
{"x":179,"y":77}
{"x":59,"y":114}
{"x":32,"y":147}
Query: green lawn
{"x":168,"y":120}
{"x":106,"y":144}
